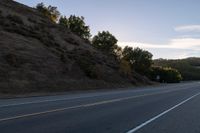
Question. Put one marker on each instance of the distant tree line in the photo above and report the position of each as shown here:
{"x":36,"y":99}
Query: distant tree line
{"x":189,"y":67}
{"x":130,"y":59}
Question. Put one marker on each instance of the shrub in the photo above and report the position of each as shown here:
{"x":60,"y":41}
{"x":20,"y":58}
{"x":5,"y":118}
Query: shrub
{"x":187,"y":67}
{"x":51,"y":12}
{"x":76,"y":25}
{"x":165,"y":74}
{"x":16,"y":29}
{"x":71,"y":41}
{"x":32,"y":20}
{"x":125,"y":68}
{"x":87,"y":66}
{"x":15,"y":18}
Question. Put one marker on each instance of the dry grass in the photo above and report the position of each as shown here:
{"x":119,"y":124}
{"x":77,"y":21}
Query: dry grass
{"x":15,"y":18}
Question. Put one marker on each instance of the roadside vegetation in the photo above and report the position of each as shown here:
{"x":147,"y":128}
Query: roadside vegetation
{"x":76,"y":25}
{"x":165,"y":75}
{"x":130,"y":59}
{"x":51,"y":11}
{"x":189,"y":68}
{"x":43,"y":50}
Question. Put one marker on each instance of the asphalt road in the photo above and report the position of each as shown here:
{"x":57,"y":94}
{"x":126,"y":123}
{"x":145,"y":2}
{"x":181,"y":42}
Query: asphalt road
{"x":173,"y":108}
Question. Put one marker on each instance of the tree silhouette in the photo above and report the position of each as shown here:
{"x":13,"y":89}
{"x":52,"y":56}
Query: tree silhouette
{"x":105,"y":42}
{"x":140,"y":60}
{"x":51,"y":11}
{"x":76,"y":25}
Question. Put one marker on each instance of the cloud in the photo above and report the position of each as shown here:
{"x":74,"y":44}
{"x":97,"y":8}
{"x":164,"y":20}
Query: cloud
{"x":175,"y":48}
{"x":179,"y":43}
{"x":188,"y":28}
{"x":185,"y":43}
{"x":180,"y":47}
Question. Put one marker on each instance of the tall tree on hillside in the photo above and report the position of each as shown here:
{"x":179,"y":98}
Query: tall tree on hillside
{"x":77,"y":25}
{"x":51,"y":11}
{"x":105,"y":42}
{"x":140,"y":60}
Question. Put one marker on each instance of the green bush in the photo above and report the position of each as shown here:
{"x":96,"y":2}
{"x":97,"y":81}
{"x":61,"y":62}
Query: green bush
{"x":139,"y":59}
{"x":165,"y":74}
{"x":51,"y":11}
{"x":76,"y":25}
{"x":189,"y":67}
{"x":125,"y":68}
{"x":87,"y":66}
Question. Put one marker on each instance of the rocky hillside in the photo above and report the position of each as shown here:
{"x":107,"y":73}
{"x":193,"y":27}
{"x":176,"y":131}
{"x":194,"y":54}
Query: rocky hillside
{"x":39,"y":55}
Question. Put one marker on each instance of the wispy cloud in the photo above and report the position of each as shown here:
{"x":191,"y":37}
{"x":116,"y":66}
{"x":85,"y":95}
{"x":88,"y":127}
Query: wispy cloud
{"x":185,"y":43}
{"x":188,"y":28}
{"x":179,"y":47}
{"x":175,"y":48}
{"x":178,"y":43}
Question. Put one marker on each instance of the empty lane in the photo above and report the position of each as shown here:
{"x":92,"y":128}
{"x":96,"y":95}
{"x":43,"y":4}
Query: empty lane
{"x":111,"y":111}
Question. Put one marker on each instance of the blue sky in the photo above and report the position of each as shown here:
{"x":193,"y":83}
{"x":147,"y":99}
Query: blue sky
{"x":167,"y":28}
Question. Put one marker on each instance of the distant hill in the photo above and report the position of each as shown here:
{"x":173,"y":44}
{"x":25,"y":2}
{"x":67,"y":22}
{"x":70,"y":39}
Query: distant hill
{"x":39,"y":55}
{"x":189,"y":67}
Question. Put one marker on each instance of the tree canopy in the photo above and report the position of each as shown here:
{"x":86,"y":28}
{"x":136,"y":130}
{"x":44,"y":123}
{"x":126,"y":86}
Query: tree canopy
{"x":166,"y":74}
{"x":140,"y":60}
{"x":105,"y":42}
{"x":76,"y":25}
{"x":51,"y":11}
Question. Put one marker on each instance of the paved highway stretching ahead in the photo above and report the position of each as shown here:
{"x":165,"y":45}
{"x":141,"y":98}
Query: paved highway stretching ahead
{"x":163,"y":109}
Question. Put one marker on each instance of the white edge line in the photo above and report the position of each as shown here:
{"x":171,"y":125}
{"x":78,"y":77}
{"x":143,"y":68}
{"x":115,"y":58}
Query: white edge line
{"x":161,"y":114}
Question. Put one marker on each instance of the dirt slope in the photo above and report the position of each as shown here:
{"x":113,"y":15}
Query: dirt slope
{"x":38,"y":55}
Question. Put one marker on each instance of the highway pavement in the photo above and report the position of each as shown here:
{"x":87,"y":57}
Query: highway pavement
{"x":168,"y":108}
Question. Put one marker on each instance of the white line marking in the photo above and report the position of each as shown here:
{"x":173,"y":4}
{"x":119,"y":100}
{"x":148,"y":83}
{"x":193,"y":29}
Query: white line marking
{"x":79,"y":106}
{"x":63,"y":99}
{"x":163,"y":113}
{"x":43,"y":101}
{"x":53,"y":100}
{"x":63,"y":109}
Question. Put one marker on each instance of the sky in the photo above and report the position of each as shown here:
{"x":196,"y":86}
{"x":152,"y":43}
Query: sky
{"x":169,"y":29}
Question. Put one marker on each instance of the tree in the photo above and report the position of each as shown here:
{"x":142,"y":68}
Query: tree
{"x":140,"y":60}
{"x":166,"y":74}
{"x":118,"y":52}
{"x":125,"y":68}
{"x":105,"y":42}
{"x":51,"y":11}
{"x":76,"y":25}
